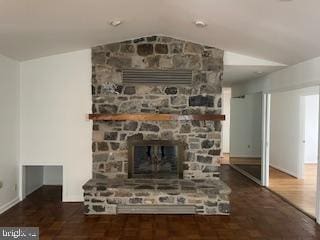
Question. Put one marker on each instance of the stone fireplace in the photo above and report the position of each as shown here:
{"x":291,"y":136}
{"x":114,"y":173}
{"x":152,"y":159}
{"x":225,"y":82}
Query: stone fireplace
{"x":127,"y":154}
{"x":110,"y":95}
{"x":155,"y":159}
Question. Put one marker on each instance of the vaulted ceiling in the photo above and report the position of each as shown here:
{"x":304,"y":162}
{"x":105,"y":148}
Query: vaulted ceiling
{"x":277,"y":30}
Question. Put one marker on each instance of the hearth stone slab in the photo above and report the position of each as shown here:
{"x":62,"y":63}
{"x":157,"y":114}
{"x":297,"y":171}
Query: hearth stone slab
{"x":204,"y":196}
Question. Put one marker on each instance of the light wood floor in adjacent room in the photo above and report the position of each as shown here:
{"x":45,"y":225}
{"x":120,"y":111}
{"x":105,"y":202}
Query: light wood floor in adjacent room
{"x":300,"y":192}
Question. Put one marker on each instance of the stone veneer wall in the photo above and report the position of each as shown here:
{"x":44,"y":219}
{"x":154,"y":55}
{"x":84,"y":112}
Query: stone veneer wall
{"x":109,"y":95}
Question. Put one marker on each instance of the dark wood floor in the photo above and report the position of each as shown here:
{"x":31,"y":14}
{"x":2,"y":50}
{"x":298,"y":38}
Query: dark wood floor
{"x":256,"y":214}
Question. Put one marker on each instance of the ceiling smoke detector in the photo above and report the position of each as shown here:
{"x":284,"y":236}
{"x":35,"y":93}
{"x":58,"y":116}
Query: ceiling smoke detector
{"x":115,"y":23}
{"x":200,"y":23}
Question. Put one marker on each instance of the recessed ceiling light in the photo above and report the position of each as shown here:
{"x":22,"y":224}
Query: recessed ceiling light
{"x":258,"y":72}
{"x":200,"y":23}
{"x":115,"y":23}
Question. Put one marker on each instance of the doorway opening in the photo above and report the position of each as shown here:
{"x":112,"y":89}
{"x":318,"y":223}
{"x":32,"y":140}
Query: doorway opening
{"x":42,"y":180}
{"x":294,"y":121}
{"x":246,"y":132}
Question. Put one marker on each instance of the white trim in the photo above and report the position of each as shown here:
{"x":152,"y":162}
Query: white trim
{"x":40,"y":164}
{"x":21,"y":183}
{"x":9,"y":205}
{"x":73,"y":199}
{"x":225,"y":135}
{"x":267,"y":150}
{"x":317,"y":213}
{"x":265,"y":138}
{"x":302,"y":127}
{"x":284,"y":170}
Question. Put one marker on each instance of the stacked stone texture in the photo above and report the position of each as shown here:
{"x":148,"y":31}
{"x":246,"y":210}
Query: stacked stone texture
{"x":209,"y":197}
{"x":110,"y":95}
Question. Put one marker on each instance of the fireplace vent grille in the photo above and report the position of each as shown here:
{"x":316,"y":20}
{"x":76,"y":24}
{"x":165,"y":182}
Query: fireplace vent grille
{"x":156,"y":209}
{"x":159,"y":77}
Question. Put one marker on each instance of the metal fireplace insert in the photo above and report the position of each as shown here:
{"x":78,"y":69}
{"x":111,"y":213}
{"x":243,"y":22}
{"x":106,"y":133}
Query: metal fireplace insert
{"x":155,"y":159}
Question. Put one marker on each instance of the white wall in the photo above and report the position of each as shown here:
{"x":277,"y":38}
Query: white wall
{"x":33,"y":179}
{"x":311,"y":125}
{"x":55,"y":98}
{"x":226,"y":98}
{"x":9,"y":131}
{"x":246,"y":126}
{"x":285,"y":138}
{"x":52,"y":175}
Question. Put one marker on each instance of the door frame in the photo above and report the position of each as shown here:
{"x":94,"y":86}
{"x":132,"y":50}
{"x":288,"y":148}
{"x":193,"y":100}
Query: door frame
{"x":317,"y":213}
{"x":300,"y":163}
{"x":265,"y":141}
{"x":303,"y":140}
{"x":265,"y":137}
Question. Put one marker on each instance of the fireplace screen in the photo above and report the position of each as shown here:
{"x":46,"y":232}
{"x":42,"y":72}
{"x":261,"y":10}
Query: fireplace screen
{"x":155,"y":159}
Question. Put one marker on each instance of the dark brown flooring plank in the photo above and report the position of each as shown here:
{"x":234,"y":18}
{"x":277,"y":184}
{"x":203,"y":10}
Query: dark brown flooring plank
{"x":257,"y":214}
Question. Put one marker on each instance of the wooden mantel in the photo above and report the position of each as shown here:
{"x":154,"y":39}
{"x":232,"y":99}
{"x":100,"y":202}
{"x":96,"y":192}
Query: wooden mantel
{"x":155,"y":117}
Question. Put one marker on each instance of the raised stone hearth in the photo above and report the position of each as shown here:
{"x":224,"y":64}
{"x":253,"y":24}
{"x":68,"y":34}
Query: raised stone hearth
{"x":206,"y":197}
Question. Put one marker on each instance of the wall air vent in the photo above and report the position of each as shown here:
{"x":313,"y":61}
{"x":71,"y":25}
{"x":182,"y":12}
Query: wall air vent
{"x":159,"y":77}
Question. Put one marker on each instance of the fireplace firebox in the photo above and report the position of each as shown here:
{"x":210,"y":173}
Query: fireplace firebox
{"x":155,"y":159}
